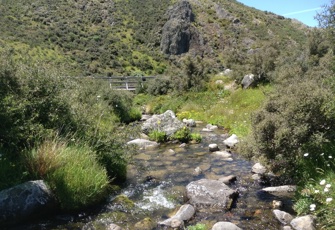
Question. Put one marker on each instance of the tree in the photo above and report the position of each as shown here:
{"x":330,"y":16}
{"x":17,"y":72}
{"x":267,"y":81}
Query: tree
{"x":326,"y":20}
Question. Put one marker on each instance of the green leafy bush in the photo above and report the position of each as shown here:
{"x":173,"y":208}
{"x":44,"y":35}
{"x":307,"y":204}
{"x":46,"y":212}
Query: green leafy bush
{"x":158,"y":136}
{"x":80,"y":181}
{"x":197,"y":227}
{"x":196,"y":137}
{"x":182,"y":135}
{"x":72,"y":171}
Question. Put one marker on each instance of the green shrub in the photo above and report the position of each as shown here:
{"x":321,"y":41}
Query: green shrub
{"x":296,"y":119}
{"x":158,"y":136}
{"x":79,"y":180}
{"x":197,"y":227}
{"x":196,"y":137}
{"x":182,"y":135}
{"x":159,"y":86}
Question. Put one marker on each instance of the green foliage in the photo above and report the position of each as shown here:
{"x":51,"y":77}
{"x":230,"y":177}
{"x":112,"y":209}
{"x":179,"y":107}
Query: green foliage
{"x":79,"y":180}
{"x":32,"y":103}
{"x":160,"y":86}
{"x":196,"y":137}
{"x":194,"y":76}
{"x":317,"y":198}
{"x":158,"y":136}
{"x":182,"y":135}
{"x":197,"y":227}
{"x":293,"y":120}
{"x":12,"y":171}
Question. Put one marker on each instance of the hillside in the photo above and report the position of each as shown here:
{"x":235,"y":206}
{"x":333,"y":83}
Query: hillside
{"x":117,"y":37}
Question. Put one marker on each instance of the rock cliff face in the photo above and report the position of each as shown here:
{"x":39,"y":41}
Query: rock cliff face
{"x":178,"y":33}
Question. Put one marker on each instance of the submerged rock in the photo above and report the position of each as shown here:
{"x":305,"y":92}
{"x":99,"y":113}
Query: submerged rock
{"x":25,"y":201}
{"x":211,"y":195}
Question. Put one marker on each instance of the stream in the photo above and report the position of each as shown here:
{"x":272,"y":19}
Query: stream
{"x":156,"y":184}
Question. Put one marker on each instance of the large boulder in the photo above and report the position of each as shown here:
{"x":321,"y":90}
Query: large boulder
{"x":210,"y":195}
{"x":25,"y":201}
{"x":166,"y":122}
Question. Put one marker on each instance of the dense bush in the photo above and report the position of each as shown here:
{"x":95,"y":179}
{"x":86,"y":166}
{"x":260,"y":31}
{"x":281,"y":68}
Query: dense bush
{"x":32,"y":104}
{"x":297,"y":118}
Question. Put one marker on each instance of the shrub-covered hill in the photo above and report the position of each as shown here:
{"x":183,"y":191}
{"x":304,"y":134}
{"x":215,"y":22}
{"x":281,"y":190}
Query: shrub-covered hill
{"x":125,"y":37}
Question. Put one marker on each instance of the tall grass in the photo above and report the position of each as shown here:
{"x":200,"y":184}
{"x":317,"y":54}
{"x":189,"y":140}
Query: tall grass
{"x":72,"y":172}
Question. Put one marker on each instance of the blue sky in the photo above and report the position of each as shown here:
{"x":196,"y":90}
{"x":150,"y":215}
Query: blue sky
{"x":302,"y":10}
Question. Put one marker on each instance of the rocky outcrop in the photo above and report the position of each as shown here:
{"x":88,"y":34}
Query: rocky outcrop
{"x":101,"y":224}
{"x":25,"y":201}
{"x":211,"y":195}
{"x":185,"y":213}
{"x":166,"y":122}
{"x":178,"y":35}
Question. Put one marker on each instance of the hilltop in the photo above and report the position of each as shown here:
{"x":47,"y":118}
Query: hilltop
{"x":133,"y":37}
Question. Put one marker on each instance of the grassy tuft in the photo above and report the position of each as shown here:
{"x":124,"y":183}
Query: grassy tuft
{"x":72,"y":172}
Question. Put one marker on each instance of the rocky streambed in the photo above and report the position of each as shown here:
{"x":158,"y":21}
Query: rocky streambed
{"x":180,"y":185}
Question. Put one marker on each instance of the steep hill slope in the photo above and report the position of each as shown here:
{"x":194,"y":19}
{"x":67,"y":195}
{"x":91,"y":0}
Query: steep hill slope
{"x":129,"y":37}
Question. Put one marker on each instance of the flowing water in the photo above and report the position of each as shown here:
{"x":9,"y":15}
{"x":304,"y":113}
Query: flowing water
{"x":156,"y":184}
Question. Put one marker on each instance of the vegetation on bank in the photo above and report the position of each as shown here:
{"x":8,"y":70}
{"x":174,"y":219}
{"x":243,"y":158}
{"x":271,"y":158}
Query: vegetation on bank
{"x":65,"y":130}
{"x":47,"y":119}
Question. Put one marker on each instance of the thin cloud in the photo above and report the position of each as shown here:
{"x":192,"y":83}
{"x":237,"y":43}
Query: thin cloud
{"x":302,"y":11}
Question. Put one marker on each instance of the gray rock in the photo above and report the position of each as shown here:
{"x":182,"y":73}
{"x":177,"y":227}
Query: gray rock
{"x":25,"y":201}
{"x":166,"y":122}
{"x":211,"y":127}
{"x":283,"y":217}
{"x":143,"y":143}
{"x":225,"y":226}
{"x":231,"y":141}
{"x":190,"y":122}
{"x":247,"y":80}
{"x":228,"y":179}
{"x":258,"y":169}
{"x":185,"y":213}
{"x":256,"y":177}
{"x":284,"y":190}
{"x":223,"y":154}
{"x":213,"y":147}
{"x":211,"y":195}
{"x":303,"y":223}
